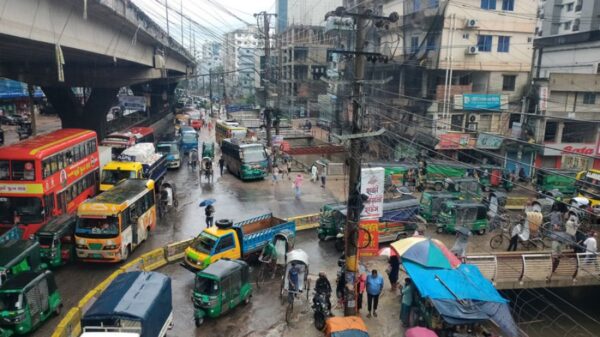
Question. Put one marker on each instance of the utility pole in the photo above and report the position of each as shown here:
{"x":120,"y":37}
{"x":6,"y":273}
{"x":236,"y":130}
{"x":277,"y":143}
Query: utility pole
{"x":355,"y":199}
{"x":210,"y":93}
{"x":267,"y":71}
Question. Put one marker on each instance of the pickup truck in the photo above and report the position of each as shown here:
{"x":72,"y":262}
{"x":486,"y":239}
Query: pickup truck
{"x":237,"y":241}
{"x":140,"y":161}
{"x":135,"y":304}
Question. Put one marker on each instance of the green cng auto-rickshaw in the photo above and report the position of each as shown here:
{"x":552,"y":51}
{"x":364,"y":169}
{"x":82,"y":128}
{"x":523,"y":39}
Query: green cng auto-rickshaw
{"x":57,"y":242}
{"x":18,"y":256}
{"x":494,"y":176}
{"x":431,"y":203}
{"x":219,"y":288}
{"x":330,"y":220}
{"x":208,"y":150}
{"x":27,"y":300}
{"x":466,"y":214}
{"x":466,"y":188}
{"x":562,"y":180}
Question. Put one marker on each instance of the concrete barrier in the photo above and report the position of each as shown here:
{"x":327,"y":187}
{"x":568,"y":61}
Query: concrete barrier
{"x":176,"y":251}
{"x":70,"y":325}
{"x":154,"y":259}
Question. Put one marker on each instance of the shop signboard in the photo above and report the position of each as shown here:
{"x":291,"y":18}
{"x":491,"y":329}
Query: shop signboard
{"x":487,"y":141}
{"x":372,"y":185}
{"x":455,"y":141}
{"x":482,"y":102}
{"x":368,"y":238}
{"x":133,"y":103}
{"x":560,"y":149}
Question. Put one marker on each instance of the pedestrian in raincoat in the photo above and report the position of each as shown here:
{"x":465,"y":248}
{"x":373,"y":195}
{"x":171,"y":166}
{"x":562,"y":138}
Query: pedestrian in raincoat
{"x":462,"y":241}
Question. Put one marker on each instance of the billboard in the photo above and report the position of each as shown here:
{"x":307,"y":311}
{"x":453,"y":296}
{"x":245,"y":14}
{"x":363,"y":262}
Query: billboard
{"x":372,"y":185}
{"x":368,"y":238}
{"x":455,"y":141}
{"x":135,"y":103}
{"x":487,"y":141}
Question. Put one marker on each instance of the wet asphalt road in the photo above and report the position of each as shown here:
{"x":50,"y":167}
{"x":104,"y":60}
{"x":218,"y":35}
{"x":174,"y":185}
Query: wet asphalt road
{"x":235,"y":199}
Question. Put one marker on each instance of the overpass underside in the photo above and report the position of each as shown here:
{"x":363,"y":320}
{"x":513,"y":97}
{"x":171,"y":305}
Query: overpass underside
{"x":58,"y":45}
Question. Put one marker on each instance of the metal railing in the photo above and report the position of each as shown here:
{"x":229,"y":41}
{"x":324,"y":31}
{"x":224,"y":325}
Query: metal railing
{"x":531,"y":270}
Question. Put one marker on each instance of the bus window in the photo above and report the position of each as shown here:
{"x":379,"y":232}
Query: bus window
{"x":47,"y":167}
{"x":22,"y":170}
{"x":53,"y":165}
{"x":4,"y":170}
{"x":60,"y":159}
{"x":107,"y":226}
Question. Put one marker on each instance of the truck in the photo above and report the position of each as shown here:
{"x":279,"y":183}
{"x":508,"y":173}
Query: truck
{"x":237,"y":241}
{"x":140,"y":161}
{"x":135,"y":304}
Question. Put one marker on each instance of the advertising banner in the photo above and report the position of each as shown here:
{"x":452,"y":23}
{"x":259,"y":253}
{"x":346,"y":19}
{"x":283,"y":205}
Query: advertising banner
{"x":372,"y":184}
{"x":368,"y":238}
{"x":481,"y":102}
{"x":135,"y":103}
{"x":487,"y":141}
{"x":454,"y":141}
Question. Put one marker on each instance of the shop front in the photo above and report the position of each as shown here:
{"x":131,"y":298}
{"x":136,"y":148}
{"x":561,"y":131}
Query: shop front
{"x":451,"y":144}
{"x":568,"y":156}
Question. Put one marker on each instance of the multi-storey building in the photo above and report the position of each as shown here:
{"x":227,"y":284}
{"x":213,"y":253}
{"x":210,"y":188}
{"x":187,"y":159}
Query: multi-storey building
{"x":303,"y":61}
{"x":309,"y":12}
{"x":567,"y":83}
{"x":239,"y":49}
{"x":464,"y":69}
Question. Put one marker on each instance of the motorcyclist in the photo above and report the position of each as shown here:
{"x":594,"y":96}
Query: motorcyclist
{"x":323,"y":287}
{"x":193,"y":158}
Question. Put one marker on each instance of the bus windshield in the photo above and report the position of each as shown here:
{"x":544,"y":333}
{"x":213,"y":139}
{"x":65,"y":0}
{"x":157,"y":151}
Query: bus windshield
{"x":112,"y":177}
{"x":29,"y":209}
{"x":166,"y":149}
{"x":11,"y":301}
{"x":254,"y":154}
{"x":189,"y":137}
{"x":205,"y":243}
{"x":108,"y":226}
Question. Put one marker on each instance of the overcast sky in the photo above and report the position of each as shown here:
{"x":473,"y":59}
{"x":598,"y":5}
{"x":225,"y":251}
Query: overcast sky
{"x":216,"y":16}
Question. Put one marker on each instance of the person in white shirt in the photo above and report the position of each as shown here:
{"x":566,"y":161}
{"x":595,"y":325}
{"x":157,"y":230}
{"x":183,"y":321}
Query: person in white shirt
{"x":591,"y":247}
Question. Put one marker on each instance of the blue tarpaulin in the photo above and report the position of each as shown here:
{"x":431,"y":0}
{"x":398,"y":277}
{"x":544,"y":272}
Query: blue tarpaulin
{"x":14,"y":89}
{"x":462,"y":295}
{"x":135,"y":296}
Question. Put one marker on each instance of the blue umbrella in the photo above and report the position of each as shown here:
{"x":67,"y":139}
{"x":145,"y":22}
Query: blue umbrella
{"x":207,"y":202}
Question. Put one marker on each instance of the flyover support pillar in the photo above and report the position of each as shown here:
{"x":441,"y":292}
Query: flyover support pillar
{"x":75,"y":112}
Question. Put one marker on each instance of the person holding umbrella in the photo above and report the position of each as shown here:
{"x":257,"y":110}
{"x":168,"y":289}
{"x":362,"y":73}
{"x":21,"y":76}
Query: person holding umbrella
{"x":209,"y":211}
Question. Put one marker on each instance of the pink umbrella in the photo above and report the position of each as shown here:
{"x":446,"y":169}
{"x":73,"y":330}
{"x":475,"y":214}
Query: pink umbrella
{"x":419,"y":332}
{"x":387,"y":251}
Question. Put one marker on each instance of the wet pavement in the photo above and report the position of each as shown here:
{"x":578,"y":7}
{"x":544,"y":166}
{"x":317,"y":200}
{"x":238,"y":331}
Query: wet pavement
{"x":264,"y":316}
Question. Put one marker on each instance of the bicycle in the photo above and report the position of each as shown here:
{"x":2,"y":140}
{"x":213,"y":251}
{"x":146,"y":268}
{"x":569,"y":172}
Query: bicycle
{"x":535,"y":242}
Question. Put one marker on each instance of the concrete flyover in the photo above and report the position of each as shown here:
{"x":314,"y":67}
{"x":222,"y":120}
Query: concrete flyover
{"x":96,"y":44}
{"x":520,"y":270}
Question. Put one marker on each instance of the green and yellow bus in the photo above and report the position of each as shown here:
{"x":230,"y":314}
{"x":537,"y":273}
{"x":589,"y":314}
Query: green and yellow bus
{"x":229,"y":129}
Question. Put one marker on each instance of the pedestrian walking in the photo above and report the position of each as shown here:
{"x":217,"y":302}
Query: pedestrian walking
{"x":313,"y":173}
{"x":275,"y":174}
{"x":284,"y":170}
{"x":514,"y":237}
{"x":323,"y":176}
{"x":406,"y":303}
{"x":362,"y":284}
{"x":556,"y":247}
{"x":393,"y":270}
{"x":289,"y":168}
{"x":297,"y":185}
{"x":209,"y":212}
{"x":374,"y":287}
{"x":221,"y":164}
{"x":462,"y":241}
{"x":591,"y":248}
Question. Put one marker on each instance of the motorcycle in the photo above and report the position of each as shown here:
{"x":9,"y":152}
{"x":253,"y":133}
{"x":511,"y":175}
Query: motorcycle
{"x":321,"y":310}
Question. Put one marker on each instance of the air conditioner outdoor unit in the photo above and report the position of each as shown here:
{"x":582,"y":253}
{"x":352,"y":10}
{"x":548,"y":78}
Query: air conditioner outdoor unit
{"x":472,"y":23}
{"x":472,"y":122}
{"x":472,"y":50}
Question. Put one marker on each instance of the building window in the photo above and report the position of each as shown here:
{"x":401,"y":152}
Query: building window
{"x":503,"y":44}
{"x":414,"y":44}
{"x":579,"y":5}
{"x":570,"y":7}
{"x":589,"y":98}
{"x":431,"y":42}
{"x":485,"y":123}
{"x":416,"y":5}
{"x":576,"y":23}
{"x":488,"y":4}
{"x":508,"y":82}
{"x":508,"y":5}
{"x":484,"y":43}
{"x":567,"y":25}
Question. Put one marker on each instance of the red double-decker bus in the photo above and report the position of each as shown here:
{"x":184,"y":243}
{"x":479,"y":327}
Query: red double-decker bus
{"x":121,"y":140}
{"x":45,"y":176}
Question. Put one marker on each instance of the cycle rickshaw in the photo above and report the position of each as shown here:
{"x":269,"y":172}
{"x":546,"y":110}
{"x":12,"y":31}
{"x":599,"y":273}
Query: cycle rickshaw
{"x":296,"y":259}
{"x":206,"y":168}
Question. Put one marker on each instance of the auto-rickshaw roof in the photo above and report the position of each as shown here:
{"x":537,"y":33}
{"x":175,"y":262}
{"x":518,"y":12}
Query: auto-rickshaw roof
{"x":58,"y":226}
{"x":222,"y":268}
{"x":21,"y":280}
{"x":297,"y":255}
{"x":14,"y":251}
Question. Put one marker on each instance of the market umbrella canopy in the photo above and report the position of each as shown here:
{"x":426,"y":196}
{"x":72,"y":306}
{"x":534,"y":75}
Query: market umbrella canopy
{"x":426,"y":252}
{"x":387,"y":251}
{"x":419,"y":332}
